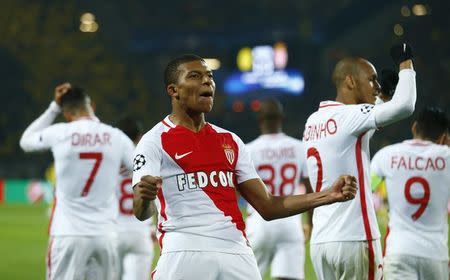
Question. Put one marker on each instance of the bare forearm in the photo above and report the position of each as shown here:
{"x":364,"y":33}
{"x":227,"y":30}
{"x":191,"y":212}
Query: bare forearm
{"x":286,"y":206}
{"x":143,"y":209}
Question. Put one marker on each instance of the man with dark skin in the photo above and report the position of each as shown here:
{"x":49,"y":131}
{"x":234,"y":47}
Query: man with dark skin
{"x":280,"y":161}
{"x":188,"y":170}
{"x":345,"y":242}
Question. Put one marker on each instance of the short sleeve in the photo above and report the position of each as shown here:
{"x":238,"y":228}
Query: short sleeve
{"x":245,"y":170}
{"x":147,"y":159}
{"x":359,"y":118}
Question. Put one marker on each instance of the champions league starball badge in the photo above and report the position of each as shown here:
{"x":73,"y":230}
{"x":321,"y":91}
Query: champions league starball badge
{"x":138,"y":162}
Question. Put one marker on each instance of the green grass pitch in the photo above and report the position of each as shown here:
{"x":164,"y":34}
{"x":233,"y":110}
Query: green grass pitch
{"x":23,"y":242}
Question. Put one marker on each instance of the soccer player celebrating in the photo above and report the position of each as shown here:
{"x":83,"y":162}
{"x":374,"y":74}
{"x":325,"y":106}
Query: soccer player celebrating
{"x":280,"y":161}
{"x":417,"y":174}
{"x":345,"y":239}
{"x":135,"y":248}
{"x":188,"y":170}
{"x":88,"y":155}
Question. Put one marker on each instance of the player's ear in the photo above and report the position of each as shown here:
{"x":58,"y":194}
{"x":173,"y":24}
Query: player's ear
{"x":93,"y":105}
{"x":414,"y":129}
{"x":172,"y":90}
{"x":349,"y":82}
{"x":442,"y":140}
{"x":67,"y":116}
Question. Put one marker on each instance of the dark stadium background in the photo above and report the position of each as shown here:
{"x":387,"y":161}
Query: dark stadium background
{"x":121,"y":64}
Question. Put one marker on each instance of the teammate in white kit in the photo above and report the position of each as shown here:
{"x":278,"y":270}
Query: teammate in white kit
{"x":280,"y":161}
{"x":189,"y":170}
{"x":135,"y":247}
{"x":345,"y":239}
{"x":88,"y":155}
{"x":417,"y":174}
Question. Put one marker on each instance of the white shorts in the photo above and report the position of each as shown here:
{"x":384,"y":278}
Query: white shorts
{"x":347,"y":260}
{"x":135,"y":251}
{"x":411,"y":268}
{"x":279,"y":245}
{"x":195,"y":265}
{"x":82,"y":257}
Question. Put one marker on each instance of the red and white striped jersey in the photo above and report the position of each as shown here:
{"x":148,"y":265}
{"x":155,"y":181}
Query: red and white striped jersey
{"x":417,"y":174}
{"x":280,"y":161}
{"x":197,"y":204}
{"x":337,"y":142}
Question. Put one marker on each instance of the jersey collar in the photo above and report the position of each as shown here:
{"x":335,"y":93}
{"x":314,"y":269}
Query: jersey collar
{"x":418,"y":142}
{"x":329,"y":103}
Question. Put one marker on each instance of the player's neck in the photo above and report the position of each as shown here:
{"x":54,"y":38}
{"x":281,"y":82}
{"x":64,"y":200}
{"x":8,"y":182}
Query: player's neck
{"x":193,"y":121}
{"x":81,"y":115}
{"x":345,"y":97}
{"x":270,"y":130}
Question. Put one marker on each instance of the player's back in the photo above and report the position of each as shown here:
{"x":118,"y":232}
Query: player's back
{"x":417,"y":177}
{"x":280,"y":161}
{"x":88,"y":155}
{"x":337,"y":142}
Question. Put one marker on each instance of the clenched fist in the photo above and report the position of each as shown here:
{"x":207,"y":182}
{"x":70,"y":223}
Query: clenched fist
{"x":148,"y":187}
{"x":344,"y":188}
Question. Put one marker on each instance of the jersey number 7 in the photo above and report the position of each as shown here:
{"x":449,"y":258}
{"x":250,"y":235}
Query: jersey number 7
{"x":98,"y":159}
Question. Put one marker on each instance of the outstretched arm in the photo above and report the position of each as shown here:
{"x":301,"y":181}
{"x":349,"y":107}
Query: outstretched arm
{"x":274,"y":207}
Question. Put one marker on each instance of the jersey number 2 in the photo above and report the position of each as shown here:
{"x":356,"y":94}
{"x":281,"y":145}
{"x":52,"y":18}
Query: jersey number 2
{"x":313,"y":152}
{"x":423,"y":200}
{"x":98,"y":159}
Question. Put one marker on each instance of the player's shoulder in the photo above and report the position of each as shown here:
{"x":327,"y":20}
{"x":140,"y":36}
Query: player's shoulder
{"x":219,"y":129}
{"x":154,"y":134}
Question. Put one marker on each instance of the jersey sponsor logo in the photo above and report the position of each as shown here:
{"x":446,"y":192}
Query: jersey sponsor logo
{"x":418,"y":163}
{"x":88,"y":139}
{"x":229,"y":153}
{"x":138,"y":162}
{"x":177,"y":156}
{"x":317,"y":131}
{"x":195,"y":180}
{"x":366,"y":108}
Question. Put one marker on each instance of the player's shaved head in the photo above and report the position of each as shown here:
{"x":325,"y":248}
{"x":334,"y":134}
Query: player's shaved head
{"x":131,"y":127}
{"x":271,"y":109}
{"x":270,"y":116}
{"x":74,"y":100}
{"x":172,"y":72}
{"x":347,"y":66}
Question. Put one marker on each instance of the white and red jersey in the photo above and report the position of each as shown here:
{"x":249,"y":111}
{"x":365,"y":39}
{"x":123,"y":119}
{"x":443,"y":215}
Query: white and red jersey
{"x":197,"y":204}
{"x":337,"y":142}
{"x":417,"y":174}
{"x":280,"y":161}
{"x":88,"y":155}
{"x":126,"y":220}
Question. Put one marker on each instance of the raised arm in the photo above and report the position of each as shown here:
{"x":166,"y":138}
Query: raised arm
{"x":31,"y":140}
{"x":274,"y":207}
{"x":404,"y":99}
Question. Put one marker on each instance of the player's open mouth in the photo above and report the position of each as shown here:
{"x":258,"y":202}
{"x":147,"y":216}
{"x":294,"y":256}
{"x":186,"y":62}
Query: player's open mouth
{"x":206,"y":94}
